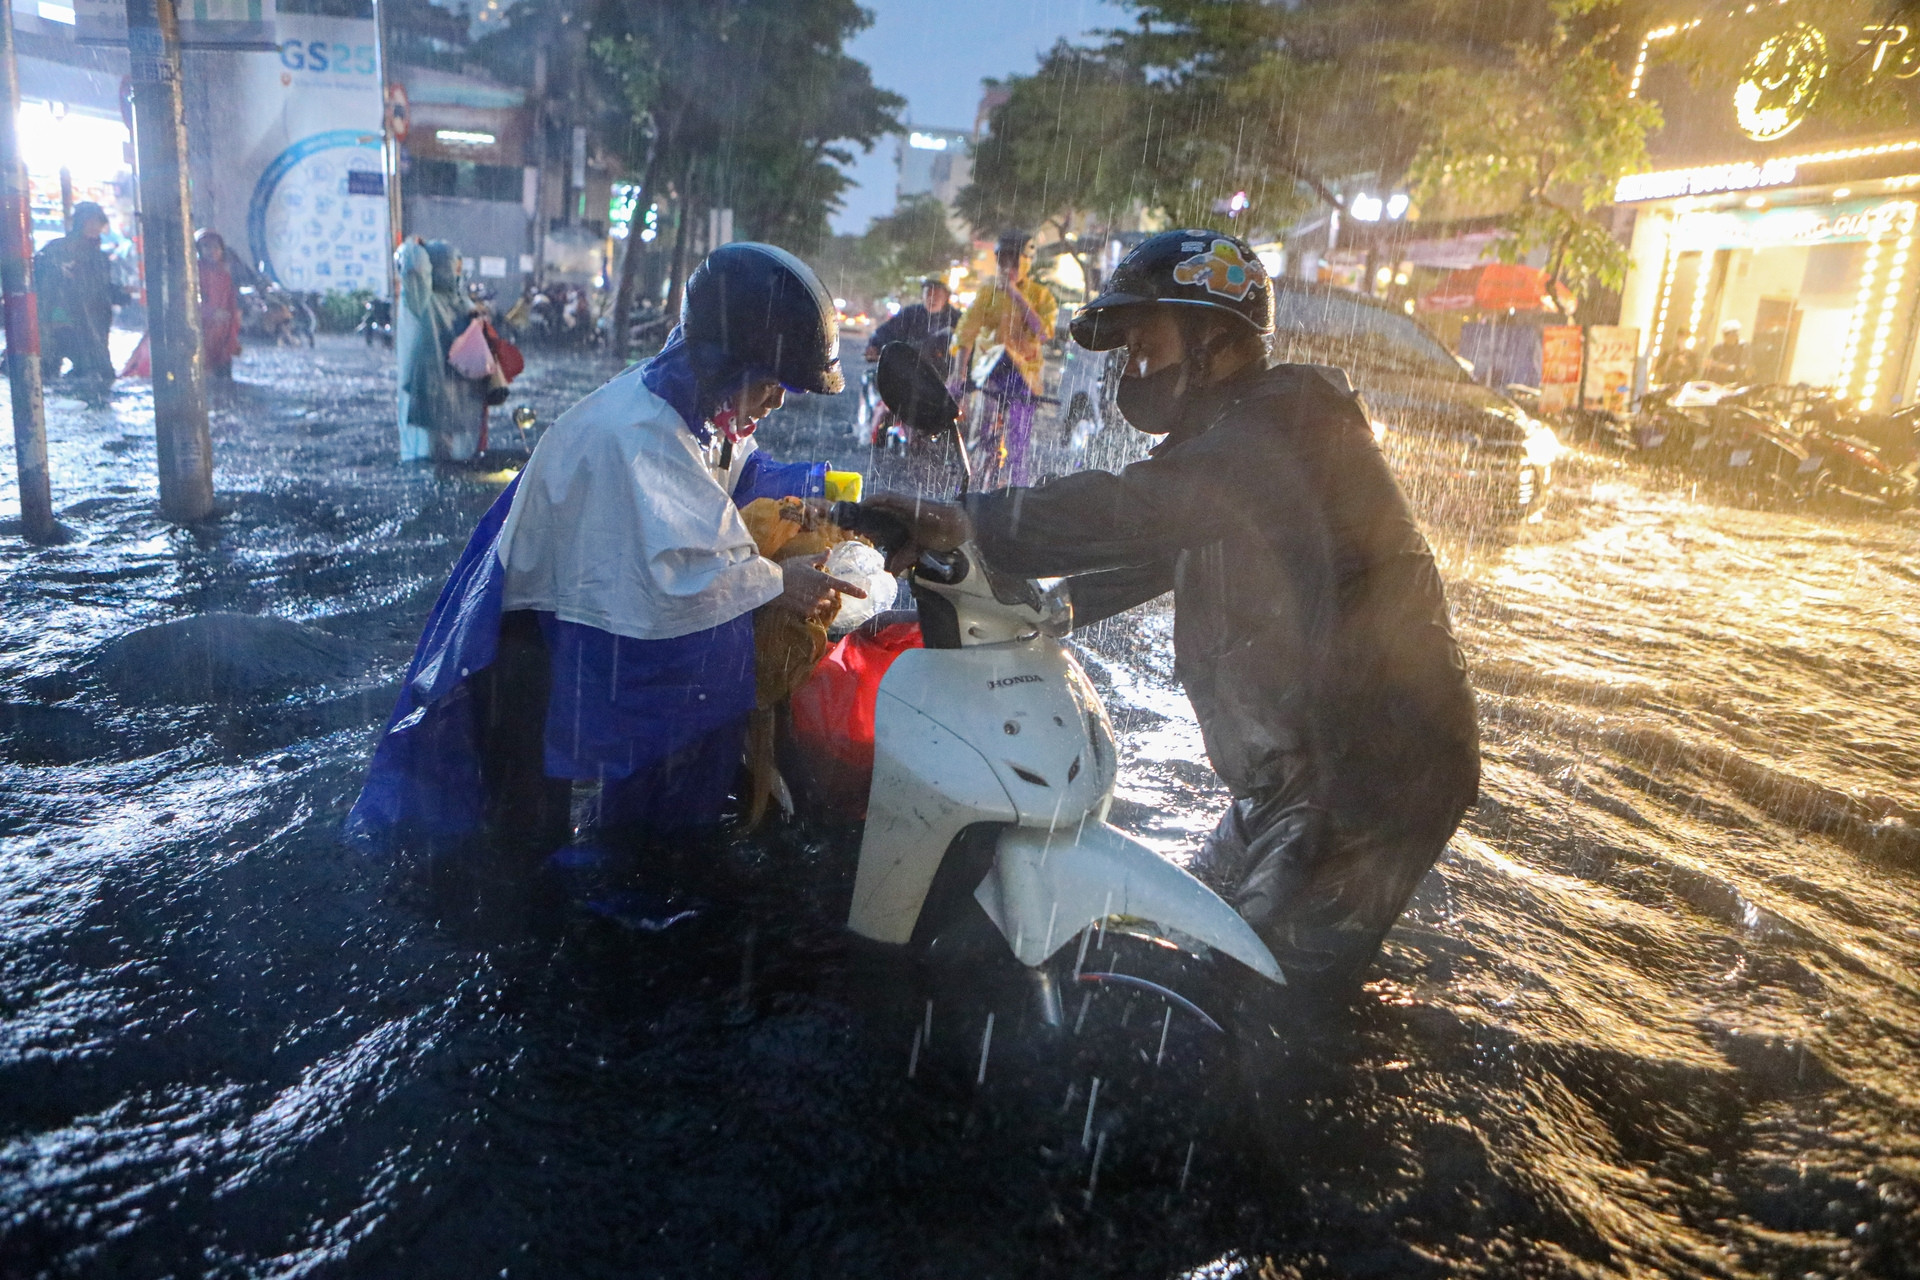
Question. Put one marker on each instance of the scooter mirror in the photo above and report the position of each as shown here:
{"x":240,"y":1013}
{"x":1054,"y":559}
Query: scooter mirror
{"x":917,"y":394}
{"x":914,"y":389}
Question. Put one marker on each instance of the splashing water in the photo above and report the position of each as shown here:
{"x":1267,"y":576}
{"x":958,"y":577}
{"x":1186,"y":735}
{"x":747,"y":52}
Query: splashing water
{"x":1653,"y":1014}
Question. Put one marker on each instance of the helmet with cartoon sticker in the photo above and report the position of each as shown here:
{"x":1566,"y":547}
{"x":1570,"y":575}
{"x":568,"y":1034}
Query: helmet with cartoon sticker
{"x":1179,"y":268}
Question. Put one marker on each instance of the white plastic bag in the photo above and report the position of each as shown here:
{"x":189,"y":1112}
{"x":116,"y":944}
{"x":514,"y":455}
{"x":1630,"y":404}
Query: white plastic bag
{"x":470,"y":356}
{"x":864,"y":567}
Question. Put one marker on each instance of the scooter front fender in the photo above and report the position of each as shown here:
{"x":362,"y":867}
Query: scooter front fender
{"x":1046,"y":886}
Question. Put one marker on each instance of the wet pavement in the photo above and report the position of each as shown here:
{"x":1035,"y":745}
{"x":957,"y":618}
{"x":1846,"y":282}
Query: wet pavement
{"x":1655,"y":1012}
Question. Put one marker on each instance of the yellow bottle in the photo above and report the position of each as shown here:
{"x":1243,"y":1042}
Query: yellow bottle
{"x":843,"y":486}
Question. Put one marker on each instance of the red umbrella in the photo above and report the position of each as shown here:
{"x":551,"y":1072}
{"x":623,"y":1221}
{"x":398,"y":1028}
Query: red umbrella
{"x":1492,"y":286}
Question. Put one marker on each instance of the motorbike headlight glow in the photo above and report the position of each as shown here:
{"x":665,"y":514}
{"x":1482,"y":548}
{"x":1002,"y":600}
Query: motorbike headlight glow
{"x":1543,"y":448}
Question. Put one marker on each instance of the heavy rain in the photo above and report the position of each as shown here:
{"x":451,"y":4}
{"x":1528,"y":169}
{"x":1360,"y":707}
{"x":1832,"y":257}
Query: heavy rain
{"x":1618,"y":292}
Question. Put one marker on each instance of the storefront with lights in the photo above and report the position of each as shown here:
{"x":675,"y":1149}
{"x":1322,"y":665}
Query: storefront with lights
{"x":1760,"y":213}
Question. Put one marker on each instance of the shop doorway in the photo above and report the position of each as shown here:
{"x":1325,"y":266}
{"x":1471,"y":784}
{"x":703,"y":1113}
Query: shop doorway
{"x":1776,"y":328}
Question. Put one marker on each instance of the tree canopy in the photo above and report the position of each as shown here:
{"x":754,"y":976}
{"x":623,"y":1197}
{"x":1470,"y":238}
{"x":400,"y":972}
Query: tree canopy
{"x":749,"y":104}
{"x":1250,"y":116}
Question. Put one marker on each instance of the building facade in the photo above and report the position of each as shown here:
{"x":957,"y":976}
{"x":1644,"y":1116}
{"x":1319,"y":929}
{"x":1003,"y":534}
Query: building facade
{"x":1760,"y":213}
{"x":933,"y":162}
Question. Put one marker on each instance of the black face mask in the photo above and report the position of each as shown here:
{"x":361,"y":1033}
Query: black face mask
{"x":1152,"y":403}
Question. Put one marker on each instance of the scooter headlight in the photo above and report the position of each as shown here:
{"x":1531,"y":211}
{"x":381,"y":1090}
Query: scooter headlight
{"x":1542,"y":447}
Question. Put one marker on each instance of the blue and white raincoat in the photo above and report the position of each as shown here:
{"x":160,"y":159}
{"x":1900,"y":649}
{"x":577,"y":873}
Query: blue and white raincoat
{"x":623,"y":535}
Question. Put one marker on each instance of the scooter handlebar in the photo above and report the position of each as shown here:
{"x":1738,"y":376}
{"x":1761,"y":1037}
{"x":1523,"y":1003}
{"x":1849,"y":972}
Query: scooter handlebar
{"x":887,"y":531}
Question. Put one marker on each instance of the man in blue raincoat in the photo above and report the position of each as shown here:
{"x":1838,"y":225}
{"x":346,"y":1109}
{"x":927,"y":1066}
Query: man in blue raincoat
{"x":599,"y":627}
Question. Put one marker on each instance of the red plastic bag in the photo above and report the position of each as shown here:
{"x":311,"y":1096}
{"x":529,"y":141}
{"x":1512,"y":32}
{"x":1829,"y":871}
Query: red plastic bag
{"x":830,"y":756}
{"x":140,"y":363}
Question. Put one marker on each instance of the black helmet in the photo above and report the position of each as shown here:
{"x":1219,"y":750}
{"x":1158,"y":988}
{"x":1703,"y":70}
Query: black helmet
{"x":753,"y":307}
{"x":1012,"y":240}
{"x":1184,"y":269}
{"x":88,"y":211}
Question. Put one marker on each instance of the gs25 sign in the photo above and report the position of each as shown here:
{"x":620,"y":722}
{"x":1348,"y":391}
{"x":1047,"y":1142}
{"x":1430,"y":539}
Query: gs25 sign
{"x":324,"y":55}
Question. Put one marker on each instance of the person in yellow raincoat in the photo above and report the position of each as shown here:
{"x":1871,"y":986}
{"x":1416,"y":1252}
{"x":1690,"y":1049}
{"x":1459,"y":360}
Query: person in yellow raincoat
{"x":1015,"y":314}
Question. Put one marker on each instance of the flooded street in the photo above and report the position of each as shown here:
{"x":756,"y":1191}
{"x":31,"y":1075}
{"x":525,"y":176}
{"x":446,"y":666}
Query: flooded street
{"x":1655,"y":1013}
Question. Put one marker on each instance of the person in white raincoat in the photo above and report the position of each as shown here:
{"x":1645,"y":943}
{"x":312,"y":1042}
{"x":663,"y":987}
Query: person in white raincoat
{"x":600,"y":627}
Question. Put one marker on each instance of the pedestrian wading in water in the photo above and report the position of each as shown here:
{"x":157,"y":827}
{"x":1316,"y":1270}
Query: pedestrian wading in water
{"x":77,"y":295}
{"x":441,"y":412}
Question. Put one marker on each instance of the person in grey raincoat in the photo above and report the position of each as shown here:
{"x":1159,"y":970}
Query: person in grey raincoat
{"x":440,"y":411}
{"x":1310,"y":623}
{"x":77,"y":295}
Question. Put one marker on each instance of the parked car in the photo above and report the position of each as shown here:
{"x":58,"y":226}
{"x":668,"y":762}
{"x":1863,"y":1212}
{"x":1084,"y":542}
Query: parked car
{"x":1464,"y":453}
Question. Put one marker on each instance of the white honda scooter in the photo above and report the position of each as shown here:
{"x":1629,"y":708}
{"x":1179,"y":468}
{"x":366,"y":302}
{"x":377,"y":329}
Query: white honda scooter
{"x":994,"y":768}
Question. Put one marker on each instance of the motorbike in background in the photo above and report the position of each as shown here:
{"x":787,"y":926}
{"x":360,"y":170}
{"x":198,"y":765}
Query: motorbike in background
{"x":1785,"y":445}
{"x":1721,"y":436}
{"x":875,"y":422}
{"x":1857,"y":458}
{"x":376,"y":322}
{"x":274,"y":314}
{"x":558,"y":315}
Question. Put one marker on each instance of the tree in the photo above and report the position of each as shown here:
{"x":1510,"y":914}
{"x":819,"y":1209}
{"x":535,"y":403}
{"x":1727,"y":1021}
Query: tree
{"x":1538,"y":138}
{"x":752,"y":105}
{"x":1216,"y":112}
{"x":756,"y":102}
{"x":1063,"y":148}
{"x":914,"y":240}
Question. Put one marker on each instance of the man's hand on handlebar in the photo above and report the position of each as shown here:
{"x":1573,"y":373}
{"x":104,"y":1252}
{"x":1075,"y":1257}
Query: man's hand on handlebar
{"x":872,"y":353}
{"x":934,"y":526}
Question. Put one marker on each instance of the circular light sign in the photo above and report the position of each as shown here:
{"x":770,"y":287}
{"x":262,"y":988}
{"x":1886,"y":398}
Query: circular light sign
{"x":1781,"y":82}
{"x":318,"y":218}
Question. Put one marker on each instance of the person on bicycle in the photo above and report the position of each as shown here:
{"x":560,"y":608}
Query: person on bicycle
{"x":1310,"y":624}
{"x":1012,"y":315}
{"x":928,"y":324}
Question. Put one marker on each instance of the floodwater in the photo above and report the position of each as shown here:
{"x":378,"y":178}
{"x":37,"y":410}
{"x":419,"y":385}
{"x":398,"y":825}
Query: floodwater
{"x":1654,"y":1014}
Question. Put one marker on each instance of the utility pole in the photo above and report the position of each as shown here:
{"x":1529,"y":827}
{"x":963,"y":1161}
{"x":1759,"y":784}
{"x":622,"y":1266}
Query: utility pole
{"x":22,"y":311}
{"x":173,"y":283}
{"x":391,"y":137}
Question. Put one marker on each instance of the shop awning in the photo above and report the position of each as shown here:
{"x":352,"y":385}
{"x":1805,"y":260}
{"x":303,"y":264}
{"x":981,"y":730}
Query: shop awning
{"x":1493,"y":286}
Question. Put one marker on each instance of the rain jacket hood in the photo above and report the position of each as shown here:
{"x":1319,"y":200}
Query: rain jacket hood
{"x":444,"y":262}
{"x":695,"y":379}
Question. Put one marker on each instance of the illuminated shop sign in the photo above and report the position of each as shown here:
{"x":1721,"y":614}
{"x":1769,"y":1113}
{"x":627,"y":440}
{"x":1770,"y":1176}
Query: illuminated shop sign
{"x":1671,"y":183}
{"x":1778,"y":88}
{"x":1862,"y":220}
{"x":1709,"y":180}
{"x":1780,"y":83}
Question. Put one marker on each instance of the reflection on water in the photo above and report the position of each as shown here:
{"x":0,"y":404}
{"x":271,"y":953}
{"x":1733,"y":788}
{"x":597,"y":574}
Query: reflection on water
{"x":1654,"y":1013}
